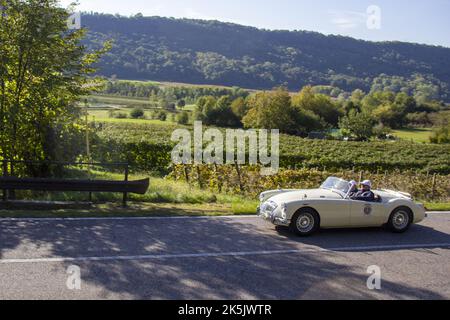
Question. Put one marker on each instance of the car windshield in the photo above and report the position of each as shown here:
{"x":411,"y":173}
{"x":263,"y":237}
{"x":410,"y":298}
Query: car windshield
{"x":337,"y":184}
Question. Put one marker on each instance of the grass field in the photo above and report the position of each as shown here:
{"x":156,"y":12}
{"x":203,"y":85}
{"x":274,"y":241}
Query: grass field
{"x":415,"y":135}
{"x":114,"y":100}
{"x":102,"y":115}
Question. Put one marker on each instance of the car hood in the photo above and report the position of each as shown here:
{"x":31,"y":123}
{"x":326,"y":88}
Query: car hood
{"x":309,"y":194}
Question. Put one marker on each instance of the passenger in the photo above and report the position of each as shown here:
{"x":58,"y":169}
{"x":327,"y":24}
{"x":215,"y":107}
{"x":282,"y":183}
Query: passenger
{"x":353,"y":190}
{"x":365,"y":194}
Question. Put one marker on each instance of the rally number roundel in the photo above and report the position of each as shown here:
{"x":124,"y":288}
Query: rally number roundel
{"x":368,"y":209}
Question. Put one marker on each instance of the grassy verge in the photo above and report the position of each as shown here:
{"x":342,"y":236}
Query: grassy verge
{"x":164,"y":198}
{"x":135,"y":209}
{"x":438,"y":206}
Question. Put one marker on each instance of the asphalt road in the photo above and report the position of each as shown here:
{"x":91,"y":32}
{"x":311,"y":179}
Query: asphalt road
{"x":218,"y":258}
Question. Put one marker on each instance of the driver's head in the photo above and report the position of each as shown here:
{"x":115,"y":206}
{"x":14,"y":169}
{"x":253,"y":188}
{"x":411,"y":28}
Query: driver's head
{"x":353,"y":185}
{"x":366,"y":185}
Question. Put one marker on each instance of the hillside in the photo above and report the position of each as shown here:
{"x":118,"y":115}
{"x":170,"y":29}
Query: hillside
{"x":211,"y":52}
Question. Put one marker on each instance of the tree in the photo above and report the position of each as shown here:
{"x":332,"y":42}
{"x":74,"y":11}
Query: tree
{"x":183,"y":118}
{"x":270,"y":110}
{"x":318,"y":104}
{"x":181,"y":104}
{"x":239,"y":107}
{"x":44,"y":70}
{"x":359,"y":125}
{"x":137,"y":113}
{"x":357,"y":96}
{"x":441,"y":134}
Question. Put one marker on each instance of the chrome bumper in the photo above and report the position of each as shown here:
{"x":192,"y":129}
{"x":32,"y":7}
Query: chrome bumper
{"x":272,"y":218}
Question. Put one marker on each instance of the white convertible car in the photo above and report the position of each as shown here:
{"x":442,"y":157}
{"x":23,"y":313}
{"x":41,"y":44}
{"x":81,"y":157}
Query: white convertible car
{"x":305,"y":211}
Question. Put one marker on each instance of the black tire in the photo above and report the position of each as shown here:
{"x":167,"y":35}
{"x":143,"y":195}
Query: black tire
{"x":400,"y":220}
{"x":305,"y":222}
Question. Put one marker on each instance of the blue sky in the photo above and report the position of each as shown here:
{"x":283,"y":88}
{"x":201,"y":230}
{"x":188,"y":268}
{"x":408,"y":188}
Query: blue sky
{"x":404,"y":20}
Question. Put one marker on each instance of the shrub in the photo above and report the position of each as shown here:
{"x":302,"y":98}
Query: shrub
{"x":441,"y":135}
{"x":183,"y":118}
{"x":118,"y":115}
{"x":137,"y":113}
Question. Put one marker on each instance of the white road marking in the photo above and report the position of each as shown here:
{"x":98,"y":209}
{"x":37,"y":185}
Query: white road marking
{"x":128,"y":218}
{"x":223,"y":254}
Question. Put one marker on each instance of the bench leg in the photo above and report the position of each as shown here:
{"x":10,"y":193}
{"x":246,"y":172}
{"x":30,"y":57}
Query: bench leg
{"x":124,"y":200}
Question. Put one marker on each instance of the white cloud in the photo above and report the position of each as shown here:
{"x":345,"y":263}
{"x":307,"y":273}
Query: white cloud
{"x":346,"y":20}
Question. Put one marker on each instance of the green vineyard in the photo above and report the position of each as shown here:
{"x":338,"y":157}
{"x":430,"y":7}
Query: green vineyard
{"x":247,"y":180}
{"x":147,"y":148}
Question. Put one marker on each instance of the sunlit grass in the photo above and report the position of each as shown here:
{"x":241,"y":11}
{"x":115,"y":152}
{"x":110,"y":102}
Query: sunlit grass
{"x":438,"y":206}
{"x":416,"y":135}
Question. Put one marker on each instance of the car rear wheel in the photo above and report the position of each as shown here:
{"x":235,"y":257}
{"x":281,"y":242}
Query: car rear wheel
{"x":400,"y":220}
{"x":305,"y":222}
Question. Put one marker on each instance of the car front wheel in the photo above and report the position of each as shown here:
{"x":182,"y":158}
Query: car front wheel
{"x":400,"y":220}
{"x":305,"y":222}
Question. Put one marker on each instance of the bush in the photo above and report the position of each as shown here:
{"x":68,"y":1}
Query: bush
{"x":137,"y":113}
{"x":118,"y":115}
{"x":159,"y":115}
{"x":183,"y":118}
{"x":441,"y":135}
{"x":181,"y":104}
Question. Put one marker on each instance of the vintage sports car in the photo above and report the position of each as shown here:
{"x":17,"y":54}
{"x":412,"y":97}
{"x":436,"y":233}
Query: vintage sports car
{"x":305,"y":211}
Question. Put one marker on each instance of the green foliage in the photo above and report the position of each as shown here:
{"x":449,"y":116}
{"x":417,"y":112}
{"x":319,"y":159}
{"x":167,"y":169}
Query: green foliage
{"x":44,"y":70}
{"x":118,"y":115}
{"x":217,"y":112}
{"x":441,"y":134}
{"x":181,"y":104}
{"x":271,"y":110}
{"x":319,"y":104}
{"x":358,"y":125}
{"x":160,"y":115}
{"x":137,"y":113}
{"x":159,"y":93}
{"x":183,"y":118}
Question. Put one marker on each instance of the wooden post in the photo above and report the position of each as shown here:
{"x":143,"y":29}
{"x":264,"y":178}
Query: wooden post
{"x":5,"y":174}
{"x":125,"y":194}
{"x":433,"y":188}
{"x":12,"y":193}
{"x":199,"y":177}
{"x":360,"y":176}
{"x":186,"y":173}
{"x":238,"y":170}
{"x":219,"y":182}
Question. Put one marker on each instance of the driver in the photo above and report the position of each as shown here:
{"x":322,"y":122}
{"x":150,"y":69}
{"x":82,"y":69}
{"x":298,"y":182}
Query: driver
{"x":365,"y":194}
{"x":353,"y":190}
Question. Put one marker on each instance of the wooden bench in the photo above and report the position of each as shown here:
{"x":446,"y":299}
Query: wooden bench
{"x":8,"y":182}
{"x":62,"y":185}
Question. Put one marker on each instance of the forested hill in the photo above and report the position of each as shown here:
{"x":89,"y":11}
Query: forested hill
{"x":211,"y":52}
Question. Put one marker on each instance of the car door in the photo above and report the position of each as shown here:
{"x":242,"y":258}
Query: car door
{"x":334,"y":213}
{"x":366,"y":214}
